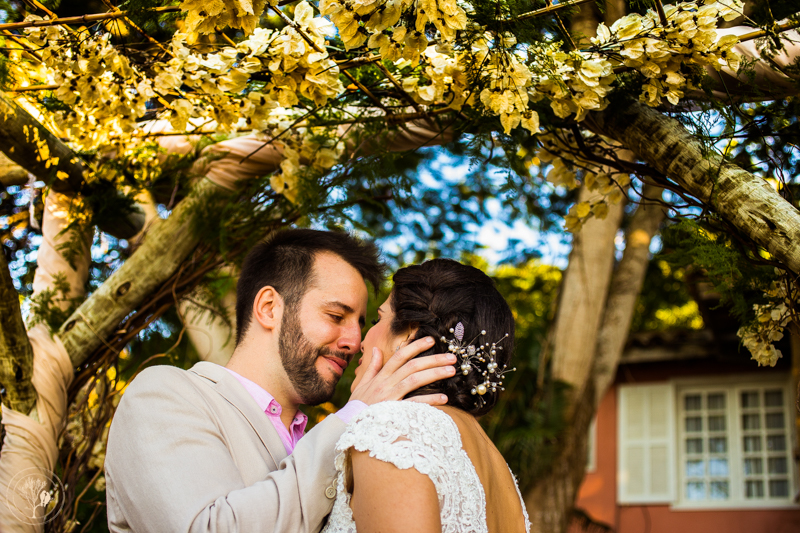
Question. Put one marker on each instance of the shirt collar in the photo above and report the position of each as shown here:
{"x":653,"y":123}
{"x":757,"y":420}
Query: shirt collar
{"x":267,"y":402}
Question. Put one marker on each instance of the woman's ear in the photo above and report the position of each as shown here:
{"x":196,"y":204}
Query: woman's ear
{"x":268,"y":308}
{"x":407,"y":338}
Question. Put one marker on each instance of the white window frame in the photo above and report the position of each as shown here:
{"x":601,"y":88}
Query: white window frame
{"x":732,"y":385}
{"x":591,"y":447}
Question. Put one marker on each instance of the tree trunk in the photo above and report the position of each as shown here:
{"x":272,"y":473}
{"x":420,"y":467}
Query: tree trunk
{"x":551,"y":500}
{"x":582,"y":300}
{"x":743,"y":199}
{"x":580,"y":310}
{"x":16,"y":355}
{"x":625,"y":288}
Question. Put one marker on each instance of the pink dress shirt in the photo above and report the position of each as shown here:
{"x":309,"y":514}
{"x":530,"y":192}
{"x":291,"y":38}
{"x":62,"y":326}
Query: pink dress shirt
{"x":272,"y":409}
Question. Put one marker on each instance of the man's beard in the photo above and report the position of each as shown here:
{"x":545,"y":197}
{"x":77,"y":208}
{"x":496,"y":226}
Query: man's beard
{"x":299,"y":358}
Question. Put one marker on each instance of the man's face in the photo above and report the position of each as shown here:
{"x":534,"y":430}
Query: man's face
{"x":321,"y":335}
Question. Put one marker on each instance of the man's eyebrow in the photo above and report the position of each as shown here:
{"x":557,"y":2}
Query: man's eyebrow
{"x":346,"y":308}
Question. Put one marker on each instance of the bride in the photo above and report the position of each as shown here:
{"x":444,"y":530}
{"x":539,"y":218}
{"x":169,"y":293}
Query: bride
{"x":409,"y":467}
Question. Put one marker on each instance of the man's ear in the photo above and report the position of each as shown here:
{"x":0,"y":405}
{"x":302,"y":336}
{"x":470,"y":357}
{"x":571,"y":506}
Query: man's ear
{"x":268,"y":308}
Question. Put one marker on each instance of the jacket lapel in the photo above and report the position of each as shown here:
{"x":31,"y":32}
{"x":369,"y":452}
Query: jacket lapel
{"x":230,"y":389}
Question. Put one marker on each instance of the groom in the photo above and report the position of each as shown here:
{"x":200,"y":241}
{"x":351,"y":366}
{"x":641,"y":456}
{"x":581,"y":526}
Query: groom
{"x":219,"y":449}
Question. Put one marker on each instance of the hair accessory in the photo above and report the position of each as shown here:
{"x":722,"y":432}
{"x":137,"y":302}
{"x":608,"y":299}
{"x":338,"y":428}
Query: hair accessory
{"x":474,"y":356}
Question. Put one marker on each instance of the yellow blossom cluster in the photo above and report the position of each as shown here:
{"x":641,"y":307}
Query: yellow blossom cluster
{"x":307,"y":152}
{"x":665,"y":54}
{"x":447,"y":82}
{"x":378,"y":23}
{"x":210,"y":85}
{"x":503,"y":75}
{"x":771,"y":320}
{"x":564,"y":165}
{"x":574,"y":82}
{"x":204,"y":16}
{"x":105,"y":93}
{"x":257,"y":84}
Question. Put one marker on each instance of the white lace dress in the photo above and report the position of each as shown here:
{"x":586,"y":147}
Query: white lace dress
{"x":415,"y":435}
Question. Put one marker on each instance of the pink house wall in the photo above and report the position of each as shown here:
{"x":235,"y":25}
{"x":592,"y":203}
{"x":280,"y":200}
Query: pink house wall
{"x":597,"y":495}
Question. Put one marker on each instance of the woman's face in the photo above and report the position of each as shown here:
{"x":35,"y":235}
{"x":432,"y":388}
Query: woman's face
{"x":379,"y":336}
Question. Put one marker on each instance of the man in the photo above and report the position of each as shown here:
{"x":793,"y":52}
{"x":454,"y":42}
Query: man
{"x":218,"y":449}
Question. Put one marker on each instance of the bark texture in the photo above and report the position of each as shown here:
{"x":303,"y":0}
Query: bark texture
{"x":16,"y":355}
{"x":743,"y":199}
{"x":168,"y":243}
{"x":551,"y":500}
{"x":625,"y":288}
{"x":11,"y":173}
{"x":583,"y":298}
{"x":584,"y":290}
{"x":30,"y":145}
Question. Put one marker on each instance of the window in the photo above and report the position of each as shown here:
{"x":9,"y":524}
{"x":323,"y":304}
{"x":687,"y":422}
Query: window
{"x":731,"y":441}
{"x":591,"y":446}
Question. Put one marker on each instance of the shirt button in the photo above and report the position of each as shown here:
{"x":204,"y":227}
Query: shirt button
{"x":273,"y":410}
{"x":330,"y":492}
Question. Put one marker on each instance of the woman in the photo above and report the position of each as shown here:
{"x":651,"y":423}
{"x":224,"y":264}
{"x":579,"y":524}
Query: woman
{"x":409,"y":467}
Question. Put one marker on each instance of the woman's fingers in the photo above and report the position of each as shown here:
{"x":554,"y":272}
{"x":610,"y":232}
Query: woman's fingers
{"x":399,"y":376}
{"x":375,"y":365}
{"x":442,"y":361}
{"x":430,"y":399}
{"x":406,"y":353}
{"x":421,"y":378}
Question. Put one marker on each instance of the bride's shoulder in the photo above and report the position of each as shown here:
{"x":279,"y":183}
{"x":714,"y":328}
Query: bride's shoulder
{"x":402,"y":420}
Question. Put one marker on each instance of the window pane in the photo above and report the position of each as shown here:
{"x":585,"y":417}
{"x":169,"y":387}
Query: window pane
{"x":716,"y":423}
{"x":719,"y":490}
{"x":752,"y":466}
{"x":694,"y":424}
{"x":718,"y":467}
{"x":694,"y":445}
{"x":776,"y":443}
{"x":752,"y":444}
{"x":777,"y":465}
{"x":751,"y":421}
{"x":695,"y":490}
{"x":773,"y":398}
{"x":693,"y":402}
{"x":774,"y":420}
{"x":778,"y":488}
{"x":716,"y":401}
{"x":695,"y":468}
{"x":750,"y":399}
{"x":718,"y":445}
{"x":754,"y":489}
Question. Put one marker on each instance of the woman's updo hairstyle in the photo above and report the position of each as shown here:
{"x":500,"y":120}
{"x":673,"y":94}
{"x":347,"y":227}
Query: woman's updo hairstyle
{"x":435,"y":296}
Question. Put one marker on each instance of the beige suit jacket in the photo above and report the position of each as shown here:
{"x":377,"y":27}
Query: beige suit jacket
{"x":190,"y":451}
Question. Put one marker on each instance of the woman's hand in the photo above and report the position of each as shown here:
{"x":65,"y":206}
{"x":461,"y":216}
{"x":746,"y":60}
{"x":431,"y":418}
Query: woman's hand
{"x":402,"y":374}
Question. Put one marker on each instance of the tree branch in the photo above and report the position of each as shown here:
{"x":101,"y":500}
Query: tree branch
{"x":16,"y":354}
{"x":744,"y":200}
{"x":30,"y":145}
{"x":11,"y":173}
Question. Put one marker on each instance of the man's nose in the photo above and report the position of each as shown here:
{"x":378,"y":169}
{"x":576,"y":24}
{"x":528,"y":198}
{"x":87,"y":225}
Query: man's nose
{"x":350,"y":340}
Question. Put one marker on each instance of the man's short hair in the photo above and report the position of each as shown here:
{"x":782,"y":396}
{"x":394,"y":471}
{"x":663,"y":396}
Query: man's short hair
{"x":285,"y":261}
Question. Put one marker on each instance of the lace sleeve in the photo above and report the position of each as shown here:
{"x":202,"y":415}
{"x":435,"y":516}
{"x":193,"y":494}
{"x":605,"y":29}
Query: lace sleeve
{"x":414,"y":435}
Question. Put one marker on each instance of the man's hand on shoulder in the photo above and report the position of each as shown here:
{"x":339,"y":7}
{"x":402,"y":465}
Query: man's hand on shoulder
{"x":402,"y":374}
